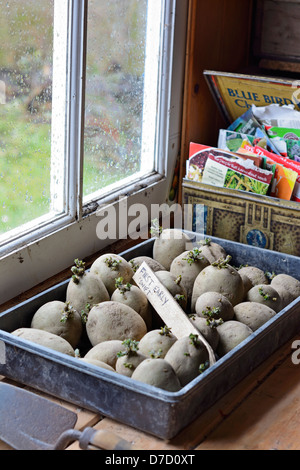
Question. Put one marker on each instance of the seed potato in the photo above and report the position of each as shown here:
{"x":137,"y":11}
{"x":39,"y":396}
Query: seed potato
{"x":46,"y":339}
{"x":266,"y":295}
{"x":231,"y":334}
{"x":186,"y":356}
{"x":252,"y":276}
{"x":174,"y":286}
{"x":170,"y":244}
{"x":114,"y":321}
{"x":212,"y":251}
{"x":139,"y":260}
{"x":156,"y":343}
{"x":60,"y":319}
{"x":188,"y":265}
{"x":85,"y":288}
{"x":129,"y":358}
{"x":253,"y":314}
{"x":287,"y":286}
{"x":132,"y":296}
{"x":210,"y":333}
{"x":222,"y":278}
{"x":215,"y":306}
{"x":105,"y":352}
{"x":110,"y":267}
{"x":158,"y":373}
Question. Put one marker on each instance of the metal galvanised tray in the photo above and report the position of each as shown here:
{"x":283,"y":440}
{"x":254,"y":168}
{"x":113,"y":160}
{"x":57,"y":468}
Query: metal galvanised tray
{"x":149,"y":409}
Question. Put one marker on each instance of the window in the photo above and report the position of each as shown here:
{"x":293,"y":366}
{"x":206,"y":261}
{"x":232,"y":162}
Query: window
{"x":90,"y":112}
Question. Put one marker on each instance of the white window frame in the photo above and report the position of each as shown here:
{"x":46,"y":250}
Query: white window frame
{"x":32,"y":258}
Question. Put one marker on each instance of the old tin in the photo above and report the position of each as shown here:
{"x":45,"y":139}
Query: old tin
{"x":144,"y":407}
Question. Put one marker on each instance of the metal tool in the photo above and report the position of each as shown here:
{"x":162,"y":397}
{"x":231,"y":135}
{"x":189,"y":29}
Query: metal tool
{"x":31,"y":422}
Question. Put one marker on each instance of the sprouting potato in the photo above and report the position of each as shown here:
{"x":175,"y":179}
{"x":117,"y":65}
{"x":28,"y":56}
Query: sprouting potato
{"x":61,"y":319}
{"x":174,"y":286}
{"x":109,"y":268}
{"x":187,"y":356}
{"x":212,"y":250}
{"x":188,"y":265}
{"x":45,"y":339}
{"x":114,"y":321}
{"x":85,"y":288}
{"x":222,"y":278}
{"x":266,"y":295}
{"x":253,"y":314}
{"x":156,"y":343}
{"x":213,"y":305}
{"x":208,"y":329}
{"x":129,"y":358}
{"x":132,"y":296}
{"x":157,"y":373}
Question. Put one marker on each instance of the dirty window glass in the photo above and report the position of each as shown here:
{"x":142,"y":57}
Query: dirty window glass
{"x":116,"y":45}
{"x":26,"y":40}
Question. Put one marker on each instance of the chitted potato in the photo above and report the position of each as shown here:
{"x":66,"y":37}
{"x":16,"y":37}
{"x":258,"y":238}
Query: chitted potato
{"x":135,"y":298}
{"x":253,"y":314}
{"x":106,"y":352}
{"x":129,"y":358}
{"x":231,"y":334}
{"x":45,"y":339}
{"x":252,"y":276}
{"x":110,"y":267}
{"x":212,"y":250}
{"x":222,"y":278}
{"x":60,"y":319}
{"x":174,"y":286}
{"x":139,"y":260}
{"x":114,"y":320}
{"x":170,"y":244}
{"x":209,"y":332}
{"x":158,"y":373}
{"x":100,"y":364}
{"x":156,"y":343}
{"x":288,"y":288}
{"x":85,"y":288}
{"x":266,"y":295}
{"x":213,"y":305}
{"x":188,"y":265}
{"x":186,"y":356}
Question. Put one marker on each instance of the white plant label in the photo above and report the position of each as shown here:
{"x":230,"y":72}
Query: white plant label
{"x":167,"y":307}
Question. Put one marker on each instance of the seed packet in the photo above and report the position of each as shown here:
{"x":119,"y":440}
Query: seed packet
{"x":245,"y":124}
{"x":232,"y":141}
{"x":285,"y":177}
{"x":198,"y":155}
{"x":283,"y":132}
{"x":237,"y":174}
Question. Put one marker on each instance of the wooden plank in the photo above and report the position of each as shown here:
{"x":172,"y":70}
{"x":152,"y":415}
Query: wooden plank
{"x":277,"y":31}
{"x":218,"y":38}
{"x":268,"y":419}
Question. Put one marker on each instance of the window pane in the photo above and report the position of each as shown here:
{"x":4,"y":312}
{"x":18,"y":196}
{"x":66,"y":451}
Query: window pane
{"x":26,"y":99}
{"x":115,"y":93}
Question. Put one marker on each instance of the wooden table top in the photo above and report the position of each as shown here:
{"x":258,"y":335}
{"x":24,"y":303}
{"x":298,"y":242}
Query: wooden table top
{"x":261,"y":413}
